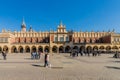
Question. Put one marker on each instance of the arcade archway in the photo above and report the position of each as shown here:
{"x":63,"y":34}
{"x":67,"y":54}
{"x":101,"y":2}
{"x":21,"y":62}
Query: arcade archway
{"x":75,"y":47}
{"x":5,"y":48}
{"x":108,"y":49}
{"x":40,"y":48}
{"x":82,"y":49}
{"x":54,"y":49}
{"x":20,"y":49}
{"x":33,"y":49}
{"x":27,"y":49}
{"x":67,"y":49}
{"x":0,"y":49}
{"x":46,"y":49}
{"x":89,"y":49}
{"x":13,"y":49}
{"x":61,"y":49}
{"x":95,"y":48}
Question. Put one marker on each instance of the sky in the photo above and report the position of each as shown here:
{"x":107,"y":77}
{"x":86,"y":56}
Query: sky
{"x":45,"y":15}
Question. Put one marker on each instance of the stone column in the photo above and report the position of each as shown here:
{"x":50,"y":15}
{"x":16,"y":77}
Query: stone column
{"x":9,"y":51}
{"x":50,"y":50}
{"x":57,"y":49}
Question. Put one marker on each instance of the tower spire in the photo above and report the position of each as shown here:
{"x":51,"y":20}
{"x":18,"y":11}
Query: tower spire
{"x":23,"y":23}
{"x":23,"y":26}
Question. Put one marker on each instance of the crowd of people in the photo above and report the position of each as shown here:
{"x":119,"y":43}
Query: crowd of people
{"x":74,"y":53}
{"x":37,"y":55}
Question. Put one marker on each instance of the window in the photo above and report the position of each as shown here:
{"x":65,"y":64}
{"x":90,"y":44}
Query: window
{"x":118,"y":39}
{"x":3,"y":39}
{"x":67,"y":38}
{"x":61,"y":39}
{"x":56,"y":39}
{"x":115,"y":39}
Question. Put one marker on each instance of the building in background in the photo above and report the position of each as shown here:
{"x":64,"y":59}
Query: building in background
{"x":60,"y":41}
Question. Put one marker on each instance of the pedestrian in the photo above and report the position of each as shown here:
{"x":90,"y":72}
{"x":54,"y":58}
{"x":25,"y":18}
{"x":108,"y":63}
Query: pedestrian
{"x":33,"y":54}
{"x":36,"y":55}
{"x":4,"y":54}
{"x":81,"y":53}
{"x":77,"y":52}
{"x":39,"y":54}
{"x":46,"y":60}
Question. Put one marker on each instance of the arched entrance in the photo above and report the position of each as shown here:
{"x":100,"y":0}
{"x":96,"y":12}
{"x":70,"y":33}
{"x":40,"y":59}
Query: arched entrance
{"x":54,"y":49}
{"x":5,"y":48}
{"x":40,"y":48}
{"x":0,"y":49}
{"x":13,"y":49}
{"x":20,"y":49}
{"x":33,"y":49}
{"x":61,"y":49}
{"x":27,"y":49}
{"x":108,"y":49}
{"x":95,"y":48}
{"x":46,"y":49}
{"x":67,"y":49}
{"x":101,"y":49}
{"x":75,"y":47}
{"x":82,"y":49}
{"x":89,"y":49}
{"x":114,"y":49}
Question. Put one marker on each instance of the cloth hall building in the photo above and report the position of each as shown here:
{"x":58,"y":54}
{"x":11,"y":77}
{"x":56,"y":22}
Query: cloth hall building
{"x":59,"y":41}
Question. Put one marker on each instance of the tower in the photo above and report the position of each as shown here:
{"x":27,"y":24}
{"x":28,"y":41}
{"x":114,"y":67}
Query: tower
{"x":23,"y":26}
{"x":61,"y":27}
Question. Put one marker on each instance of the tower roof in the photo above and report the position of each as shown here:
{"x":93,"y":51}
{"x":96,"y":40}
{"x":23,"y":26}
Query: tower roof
{"x":61,"y":25}
{"x":30,"y":30}
{"x":23,"y":23}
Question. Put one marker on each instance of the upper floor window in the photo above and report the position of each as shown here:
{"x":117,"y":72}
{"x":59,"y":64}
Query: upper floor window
{"x":116,"y":39}
{"x":3,"y":39}
{"x":61,"y":39}
{"x":67,"y":38}
{"x":56,"y":39}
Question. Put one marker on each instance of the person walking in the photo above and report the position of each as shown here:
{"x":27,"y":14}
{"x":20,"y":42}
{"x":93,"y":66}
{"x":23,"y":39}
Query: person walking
{"x":33,"y":54}
{"x":39,"y":54}
{"x":4,"y":54}
{"x":46,"y":60}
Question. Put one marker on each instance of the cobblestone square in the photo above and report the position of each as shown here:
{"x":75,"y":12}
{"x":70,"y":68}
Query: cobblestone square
{"x":21,"y":67}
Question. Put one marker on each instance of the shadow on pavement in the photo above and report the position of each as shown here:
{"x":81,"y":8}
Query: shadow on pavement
{"x":36,"y":65}
{"x":112,"y":67}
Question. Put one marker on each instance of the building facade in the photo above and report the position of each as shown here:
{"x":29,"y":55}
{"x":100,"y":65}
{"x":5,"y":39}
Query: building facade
{"x":60,"y":41}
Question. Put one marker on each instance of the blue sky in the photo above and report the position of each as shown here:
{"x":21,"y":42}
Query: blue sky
{"x":43,"y":15}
